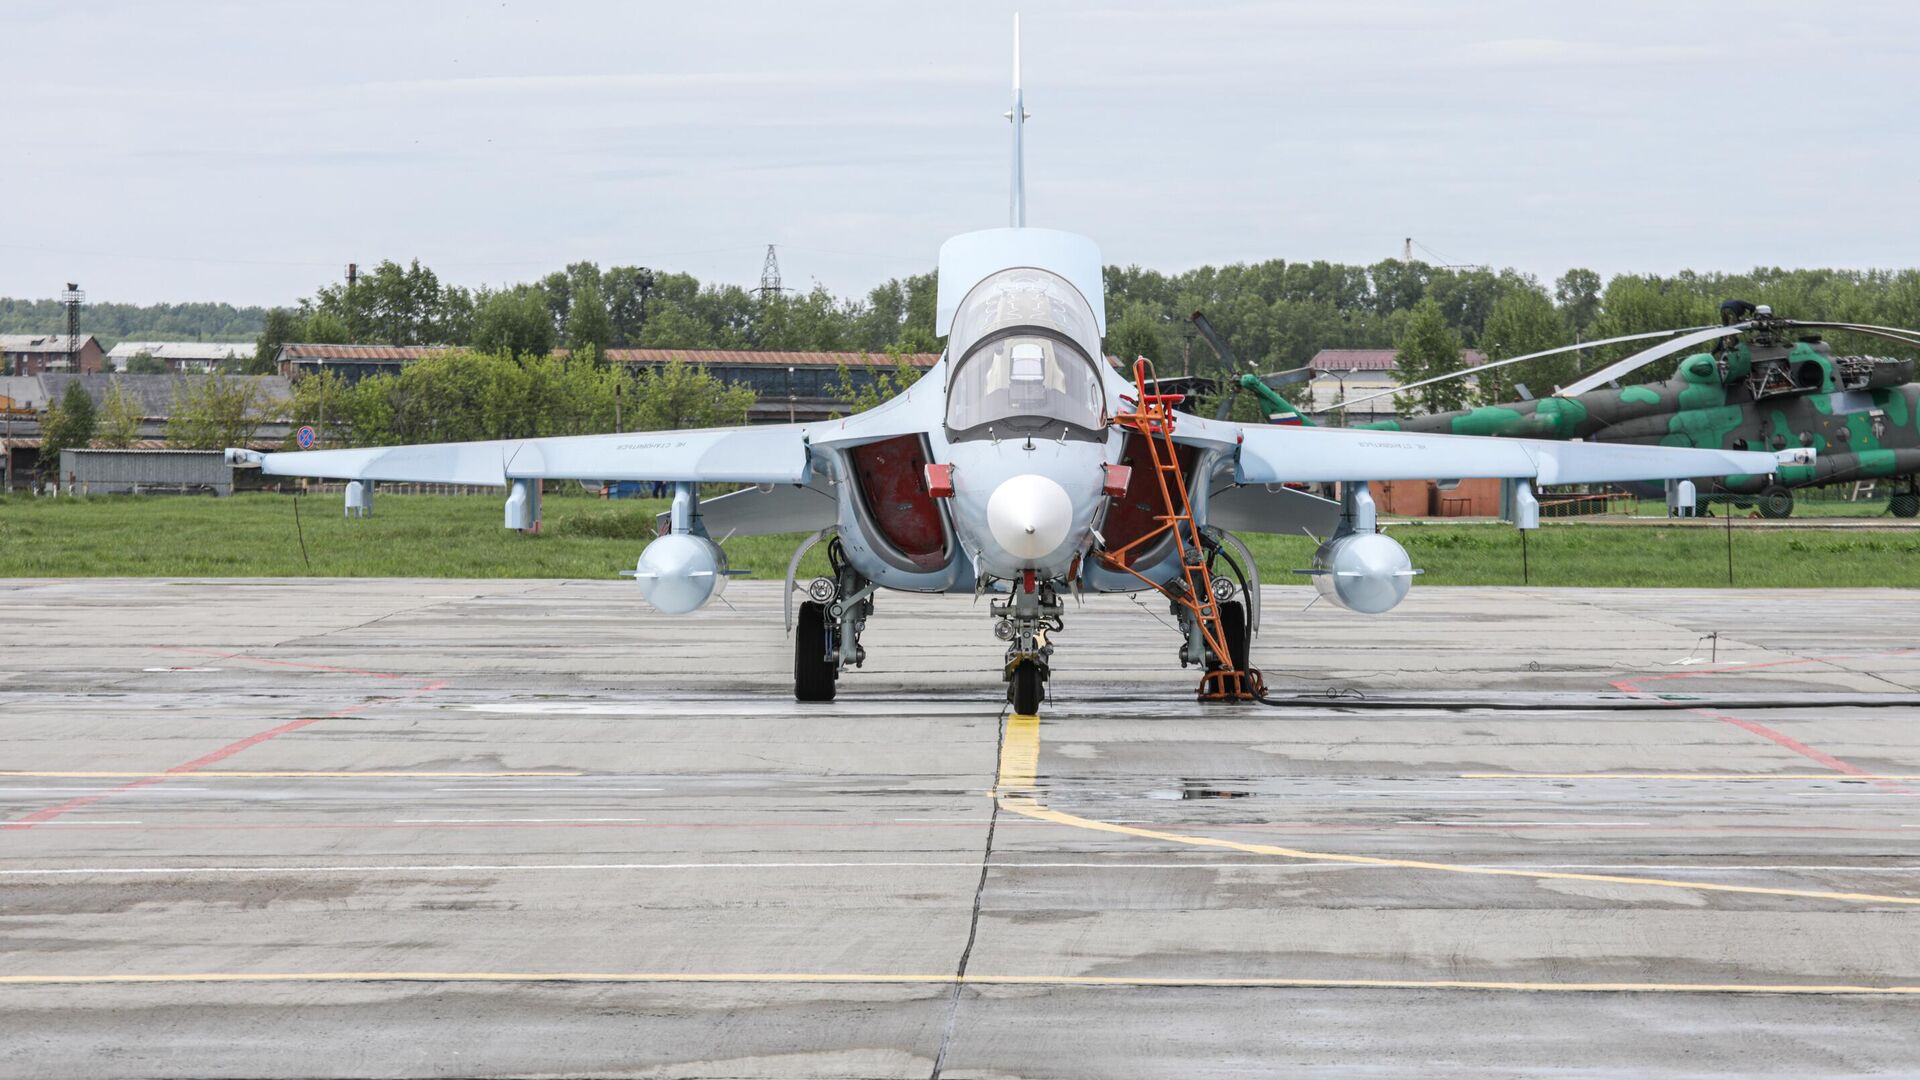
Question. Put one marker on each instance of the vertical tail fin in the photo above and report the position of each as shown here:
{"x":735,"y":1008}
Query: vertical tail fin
{"x":1017,"y":201}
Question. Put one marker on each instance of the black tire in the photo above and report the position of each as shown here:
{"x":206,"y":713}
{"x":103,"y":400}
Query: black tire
{"x":1233,"y":620}
{"x":1904,"y":504}
{"x":1775,"y":502}
{"x":813,"y":674}
{"x":1025,"y":689}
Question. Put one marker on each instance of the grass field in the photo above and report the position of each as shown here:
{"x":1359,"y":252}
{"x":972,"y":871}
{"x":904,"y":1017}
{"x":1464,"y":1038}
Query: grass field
{"x":447,"y":536}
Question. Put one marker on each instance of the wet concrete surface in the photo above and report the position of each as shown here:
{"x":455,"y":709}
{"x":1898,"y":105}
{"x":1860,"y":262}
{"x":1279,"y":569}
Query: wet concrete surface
{"x":435,"y":828}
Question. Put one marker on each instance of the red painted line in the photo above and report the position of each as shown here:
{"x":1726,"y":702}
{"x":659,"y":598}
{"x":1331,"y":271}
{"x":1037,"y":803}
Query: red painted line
{"x":47,"y":814}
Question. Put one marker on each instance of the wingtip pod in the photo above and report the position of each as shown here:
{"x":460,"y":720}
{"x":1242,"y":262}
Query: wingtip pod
{"x":241,"y":458}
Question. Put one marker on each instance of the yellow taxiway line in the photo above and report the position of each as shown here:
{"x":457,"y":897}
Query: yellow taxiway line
{"x":1019,"y":765}
{"x":949,"y":979}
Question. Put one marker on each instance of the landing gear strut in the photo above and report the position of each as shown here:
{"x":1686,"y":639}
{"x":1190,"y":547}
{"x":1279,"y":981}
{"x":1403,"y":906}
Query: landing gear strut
{"x":1906,"y":504}
{"x":826,"y":635}
{"x":1027,"y":621}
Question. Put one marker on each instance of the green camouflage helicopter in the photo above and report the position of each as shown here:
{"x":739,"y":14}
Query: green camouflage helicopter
{"x":1764,"y":384}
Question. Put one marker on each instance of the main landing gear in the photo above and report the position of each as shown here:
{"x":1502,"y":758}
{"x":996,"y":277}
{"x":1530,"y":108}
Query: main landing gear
{"x":1906,"y":504}
{"x":1026,"y":622}
{"x":826,"y":632}
{"x":1775,"y":501}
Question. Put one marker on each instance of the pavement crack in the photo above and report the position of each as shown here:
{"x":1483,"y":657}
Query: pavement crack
{"x":973,"y":921}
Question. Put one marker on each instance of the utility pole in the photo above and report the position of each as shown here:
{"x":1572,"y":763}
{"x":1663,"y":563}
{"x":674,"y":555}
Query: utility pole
{"x":1406,"y":250}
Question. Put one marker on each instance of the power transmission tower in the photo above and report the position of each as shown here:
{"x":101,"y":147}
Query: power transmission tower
{"x":769,"y":275}
{"x":72,"y":299}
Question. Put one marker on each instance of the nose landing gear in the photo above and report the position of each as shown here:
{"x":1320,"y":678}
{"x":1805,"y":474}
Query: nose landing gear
{"x":1027,"y":621}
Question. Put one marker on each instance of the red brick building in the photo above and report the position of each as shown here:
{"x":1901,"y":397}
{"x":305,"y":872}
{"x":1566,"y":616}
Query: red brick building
{"x":37,"y":354}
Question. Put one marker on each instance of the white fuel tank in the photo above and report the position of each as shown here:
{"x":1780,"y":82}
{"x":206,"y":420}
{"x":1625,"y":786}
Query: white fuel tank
{"x":681,"y":572}
{"x":1365,"y":572}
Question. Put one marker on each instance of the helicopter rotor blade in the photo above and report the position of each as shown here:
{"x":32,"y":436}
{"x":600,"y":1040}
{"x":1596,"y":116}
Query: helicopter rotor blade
{"x":1890,"y":333}
{"x":1278,"y":379}
{"x":1503,"y":363}
{"x":1234,"y":367}
{"x":1647,"y":356}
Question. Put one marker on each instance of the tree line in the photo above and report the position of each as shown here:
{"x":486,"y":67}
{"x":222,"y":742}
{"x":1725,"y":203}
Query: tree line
{"x":586,"y":308}
{"x":1276,"y":314}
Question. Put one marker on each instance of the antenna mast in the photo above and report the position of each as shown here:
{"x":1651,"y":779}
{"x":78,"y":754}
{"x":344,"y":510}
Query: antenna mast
{"x":1017,"y":204}
{"x":769,"y":276}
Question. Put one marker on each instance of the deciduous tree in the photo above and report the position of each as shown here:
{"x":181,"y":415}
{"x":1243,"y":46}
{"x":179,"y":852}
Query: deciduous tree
{"x":1430,"y":347}
{"x":121,"y":413}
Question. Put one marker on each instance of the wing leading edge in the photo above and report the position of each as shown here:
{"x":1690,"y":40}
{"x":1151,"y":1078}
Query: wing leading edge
{"x":771,"y":454}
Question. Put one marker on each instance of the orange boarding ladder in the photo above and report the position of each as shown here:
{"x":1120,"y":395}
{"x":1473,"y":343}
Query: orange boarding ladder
{"x":1152,"y":419}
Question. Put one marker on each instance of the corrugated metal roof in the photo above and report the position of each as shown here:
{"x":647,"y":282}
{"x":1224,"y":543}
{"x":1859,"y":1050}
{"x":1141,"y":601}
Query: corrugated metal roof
{"x":183,"y":350}
{"x":33,"y":442}
{"x":1370,"y":359}
{"x":156,"y":391}
{"x":768,"y":357}
{"x":309,"y":351}
{"x":39,"y":343}
{"x":705,"y":357}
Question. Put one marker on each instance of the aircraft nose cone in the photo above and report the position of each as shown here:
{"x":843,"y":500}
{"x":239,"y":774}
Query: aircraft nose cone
{"x":1029,"y":516}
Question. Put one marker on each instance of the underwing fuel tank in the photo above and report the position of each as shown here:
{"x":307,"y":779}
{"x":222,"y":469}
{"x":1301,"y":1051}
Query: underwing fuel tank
{"x":1368,"y":572}
{"x":681,"y":572}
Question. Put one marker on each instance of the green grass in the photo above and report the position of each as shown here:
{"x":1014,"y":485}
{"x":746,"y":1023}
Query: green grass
{"x":443,"y":536}
{"x":1806,"y":504}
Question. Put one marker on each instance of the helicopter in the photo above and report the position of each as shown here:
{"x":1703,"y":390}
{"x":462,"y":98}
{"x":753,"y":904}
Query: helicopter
{"x":1763,"y":383}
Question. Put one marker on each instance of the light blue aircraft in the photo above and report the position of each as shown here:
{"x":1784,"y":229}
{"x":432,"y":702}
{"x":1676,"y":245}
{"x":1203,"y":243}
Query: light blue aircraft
{"x":1004,"y":470}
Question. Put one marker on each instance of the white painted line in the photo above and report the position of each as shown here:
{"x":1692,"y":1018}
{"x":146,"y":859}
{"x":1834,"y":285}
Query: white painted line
{"x":500,"y":819}
{"x":1526,"y":824}
{"x":969,"y":864}
{"x":589,"y":789}
{"x":89,"y":821}
{"x":182,"y":669}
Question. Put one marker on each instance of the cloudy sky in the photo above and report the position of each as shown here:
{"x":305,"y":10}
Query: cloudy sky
{"x":247,"y":151}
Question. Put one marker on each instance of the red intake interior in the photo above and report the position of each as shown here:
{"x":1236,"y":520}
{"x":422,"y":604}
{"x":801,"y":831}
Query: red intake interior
{"x":1137,"y":513}
{"x":891,"y":475}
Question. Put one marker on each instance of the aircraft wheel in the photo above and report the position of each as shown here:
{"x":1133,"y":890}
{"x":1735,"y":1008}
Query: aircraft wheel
{"x":1024,"y":689}
{"x":1233,"y":620}
{"x":1904,"y":504}
{"x":814,"y":675}
{"x":1775,"y":502}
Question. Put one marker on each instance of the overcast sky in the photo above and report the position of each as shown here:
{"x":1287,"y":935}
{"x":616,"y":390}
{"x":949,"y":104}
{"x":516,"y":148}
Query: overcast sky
{"x":247,"y":151}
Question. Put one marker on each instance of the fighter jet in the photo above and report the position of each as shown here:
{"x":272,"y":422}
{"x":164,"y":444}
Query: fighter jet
{"x":1022,"y":466}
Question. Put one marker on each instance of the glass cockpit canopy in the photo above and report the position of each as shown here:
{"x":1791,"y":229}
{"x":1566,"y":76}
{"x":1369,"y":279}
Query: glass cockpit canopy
{"x":1024,"y":338}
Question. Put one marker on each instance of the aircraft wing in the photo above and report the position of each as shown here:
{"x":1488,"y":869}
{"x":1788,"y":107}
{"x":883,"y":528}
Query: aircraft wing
{"x":769,"y":454}
{"x":1277,"y":455}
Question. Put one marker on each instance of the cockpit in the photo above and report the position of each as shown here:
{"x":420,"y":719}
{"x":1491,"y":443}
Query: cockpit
{"x":1024,"y":339}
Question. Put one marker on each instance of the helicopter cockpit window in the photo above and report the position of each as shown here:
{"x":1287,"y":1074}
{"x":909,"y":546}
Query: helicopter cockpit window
{"x":1025,"y":383}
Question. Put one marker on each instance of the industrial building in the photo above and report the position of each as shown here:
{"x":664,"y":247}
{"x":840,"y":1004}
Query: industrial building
{"x":145,"y":472}
{"x":35,"y":354}
{"x":182,"y":356}
{"x":23,"y":401}
{"x":1341,"y":375}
